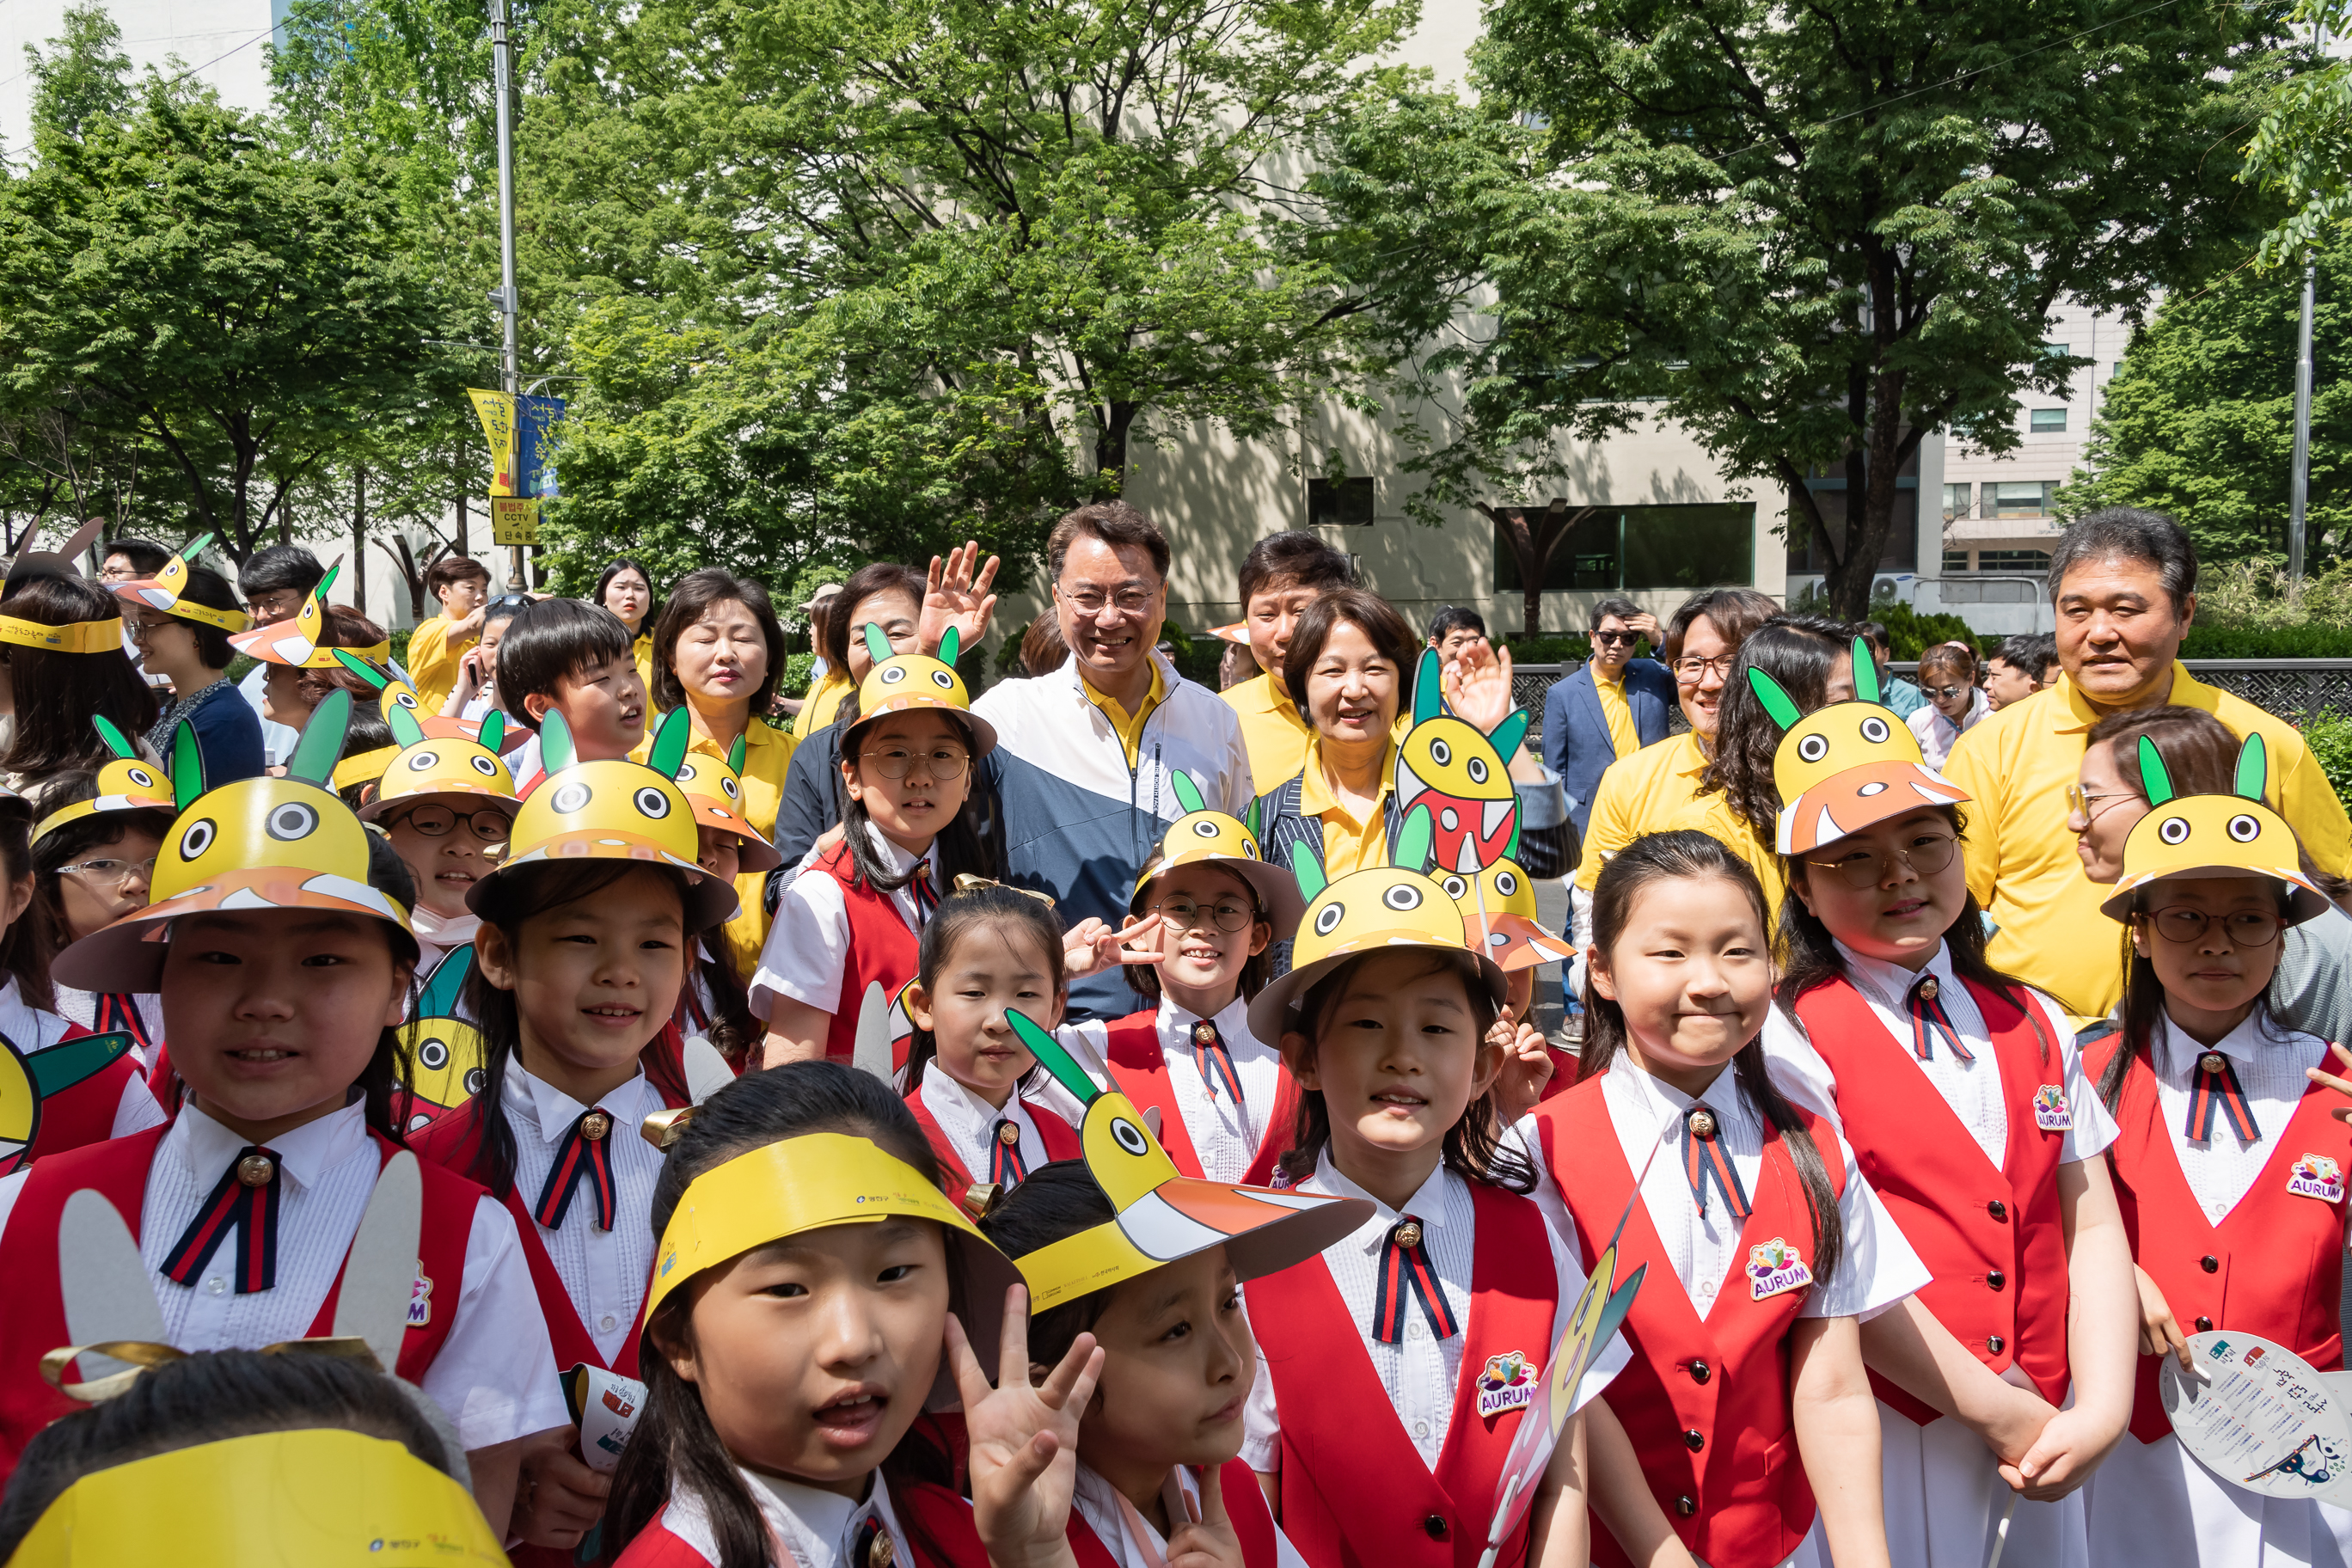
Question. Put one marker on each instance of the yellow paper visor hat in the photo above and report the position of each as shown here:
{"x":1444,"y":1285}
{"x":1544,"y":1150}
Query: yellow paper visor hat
{"x":715,"y":791}
{"x":128,"y":783}
{"x":1845,"y":767}
{"x":1205,"y":838}
{"x":2199,"y":835}
{"x":165,"y":592}
{"x":907,"y":682}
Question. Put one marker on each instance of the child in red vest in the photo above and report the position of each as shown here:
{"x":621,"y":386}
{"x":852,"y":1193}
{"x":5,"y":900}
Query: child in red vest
{"x":278,"y":941}
{"x":1159,"y":1475}
{"x":1398,"y":1364}
{"x":852,"y":919}
{"x":804,"y":1310}
{"x":580,"y":954}
{"x":1745,"y":1409}
{"x":1969,"y":1110}
{"x":2229,"y":1164}
{"x":992,"y":1114}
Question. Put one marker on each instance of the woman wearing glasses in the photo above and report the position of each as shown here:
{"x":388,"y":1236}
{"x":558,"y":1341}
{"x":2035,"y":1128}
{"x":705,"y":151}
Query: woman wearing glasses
{"x":1948,"y":673}
{"x":188,"y":646}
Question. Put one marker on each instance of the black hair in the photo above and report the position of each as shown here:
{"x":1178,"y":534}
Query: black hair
{"x":1875,"y":634}
{"x":731,"y":1029}
{"x":1256,"y":970}
{"x":57,"y":692}
{"x":963,"y":911}
{"x":211,"y":1396}
{"x":675,"y":1449}
{"x":1053,"y":1203}
{"x":874,"y":577}
{"x":64,"y":846}
{"x":453,"y":569}
{"x":1798,"y":652}
{"x":1115,"y":524}
{"x":962,"y":850}
{"x":1295,"y":558}
{"x":506,"y":901}
{"x":2021,"y":650}
{"x":277,"y":567}
{"x":1734,"y":613}
{"x":32,"y":937}
{"x":146,"y":556}
{"x":548,"y":641}
{"x":2129,"y":533}
{"x":2045,"y":653}
{"x":1688,"y":853}
{"x":1474,"y":1149}
{"x":1452,"y":619}
{"x":207,"y":587}
{"x":614,"y":568}
{"x":1387,"y":631}
{"x":693,"y":596}
{"x":1623,"y":609}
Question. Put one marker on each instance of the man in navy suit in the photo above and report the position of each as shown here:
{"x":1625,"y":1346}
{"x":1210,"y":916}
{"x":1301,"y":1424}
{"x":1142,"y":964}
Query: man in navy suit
{"x":1611,"y":706}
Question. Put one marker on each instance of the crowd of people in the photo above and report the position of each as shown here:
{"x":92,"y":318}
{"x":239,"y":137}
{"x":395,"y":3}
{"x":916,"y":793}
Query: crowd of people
{"x":553,"y":1098}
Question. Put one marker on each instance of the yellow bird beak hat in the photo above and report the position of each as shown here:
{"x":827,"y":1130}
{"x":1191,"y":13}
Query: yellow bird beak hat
{"x":714,"y":790}
{"x":297,"y":642}
{"x":163,"y":591}
{"x":1499,"y":916}
{"x":904,"y":683}
{"x":463,"y":774}
{"x":256,"y":844}
{"x":1848,"y":766}
{"x":1205,"y":838}
{"x":128,"y":783}
{"x":2231,"y":835}
{"x":1164,"y":1216}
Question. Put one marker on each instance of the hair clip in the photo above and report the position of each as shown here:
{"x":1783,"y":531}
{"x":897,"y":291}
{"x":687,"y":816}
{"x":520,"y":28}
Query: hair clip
{"x":664,"y":1128}
{"x":966,"y":882}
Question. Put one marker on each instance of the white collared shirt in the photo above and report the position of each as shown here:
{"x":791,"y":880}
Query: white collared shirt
{"x":603,"y":1272}
{"x":969,"y":1121}
{"x":2269,"y":1059}
{"x":1420,"y":1372}
{"x":1877,"y":1267}
{"x":1225,"y":1136}
{"x":819,"y":1528}
{"x":1097,"y":1502}
{"x":1972,"y":1089}
{"x":807,"y":950}
{"x":81,"y":1007}
{"x":1935,"y":732}
{"x":32,"y":1030}
{"x":494,"y":1376}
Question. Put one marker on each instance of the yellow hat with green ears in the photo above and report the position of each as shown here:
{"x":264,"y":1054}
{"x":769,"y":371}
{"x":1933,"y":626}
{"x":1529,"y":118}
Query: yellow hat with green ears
{"x":1376,"y":909}
{"x":128,"y":783}
{"x":1205,"y":838}
{"x":1846,"y":766}
{"x":255,"y":844}
{"x":446,"y":1050}
{"x":2231,"y":835}
{"x":162,"y":592}
{"x":463,"y":774}
{"x":1499,"y":916}
{"x":30,"y":565}
{"x":391,"y":692}
{"x":1461,"y":773}
{"x":295,"y":642}
{"x":1163,"y":1215}
{"x":714,"y":790}
{"x":613,"y":810}
{"x":904,"y":683}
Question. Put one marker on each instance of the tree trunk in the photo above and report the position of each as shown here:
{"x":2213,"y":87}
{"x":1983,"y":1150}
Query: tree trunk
{"x":1110,"y":449}
{"x":1532,"y":546}
{"x":359,"y":538}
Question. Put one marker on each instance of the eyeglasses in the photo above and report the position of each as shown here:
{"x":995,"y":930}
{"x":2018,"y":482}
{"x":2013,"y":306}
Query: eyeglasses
{"x":1183,"y":914}
{"x":435,"y":821}
{"x":1092,"y":601}
{"x":1616,"y":640}
{"x":2244,"y":928}
{"x":123,"y":872}
{"x":1691,"y":671}
{"x":945,"y":762}
{"x":1946,"y":693}
{"x":141,"y":631}
{"x":1928,"y":854}
{"x":2078,"y":802}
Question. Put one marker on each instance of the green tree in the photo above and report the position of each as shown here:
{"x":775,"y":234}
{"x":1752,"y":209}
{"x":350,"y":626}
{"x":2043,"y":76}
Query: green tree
{"x":2200,"y":421}
{"x":84,"y":77}
{"x":1809,"y":236}
{"x":2302,"y":150}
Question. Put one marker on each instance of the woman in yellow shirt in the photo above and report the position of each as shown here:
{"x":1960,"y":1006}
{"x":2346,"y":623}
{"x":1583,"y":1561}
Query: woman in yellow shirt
{"x":626,"y":589}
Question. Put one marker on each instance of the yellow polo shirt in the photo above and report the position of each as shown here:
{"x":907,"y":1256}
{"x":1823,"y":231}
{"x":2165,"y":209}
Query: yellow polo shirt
{"x":1640,"y":794}
{"x":1272,"y":731}
{"x":1712,"y":815}
{"x":1130,"y":726}
{"x":2016,"y":765}
{"x":822,"y":705}
{"x":1623,"y":739}
{"x":432,"y":662}
{"x":1348,"y":845}
{"x":640,"y":654}
{"x":767,"y":754}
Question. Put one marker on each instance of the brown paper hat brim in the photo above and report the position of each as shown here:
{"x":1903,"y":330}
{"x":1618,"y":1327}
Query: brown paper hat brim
{"x":983,"y":733}
{"x":1276,"y":889}
{"x":129,"y":954}
{"x":753,"y":853}
{"x":456,"y":799}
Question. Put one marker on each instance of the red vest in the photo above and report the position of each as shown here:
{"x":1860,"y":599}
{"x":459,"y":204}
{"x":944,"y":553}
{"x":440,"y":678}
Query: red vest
{"x":2272,"y":1267}
{"x":1738,"y":1495}
{"x":1139,"y":1068}
{"x":882,"y":947}
{"x":1355,"y":1491}
{"x":1992,"y":1237}
{"x":937,"y":1523}
{"x":1244,"y":1506}
{"x":34,"y":1323}
{"x":84,"y":1113}
{"x":1061,"y":1141}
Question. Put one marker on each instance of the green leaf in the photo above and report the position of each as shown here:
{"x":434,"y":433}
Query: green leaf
{"x":1308,"y":871}
{"x":2253,"y":767}
{"x":1428,"y":686}
{"x":1865,"y":673}
{"x":69,"y":1062}
{"x":115,"y":740}
{"x":672,"y":736}
{"x":735,"y":754}
{"x":1416,"y":838}
{"x":1508,"y":735}
{"x":556,"y":752}
{"x":187,"y":765}
{"x":365,"y":670}
{"x":1187,"y":793}
{"x":494,"y":730}
{"x":877,"y":645}
{"x":1776,"y":700}
{"x":951,"y":643}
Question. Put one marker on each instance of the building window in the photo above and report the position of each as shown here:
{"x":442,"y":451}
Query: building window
{"x":1957,"y":502}
{"x":2030,"y":497}
{"x":1645,"y":547}
{"x":1343,"y":501}
{"x":2053,"y":351}
{"x":1956,"y":560}
{"x":2014,"y":560}
{"x":2046,"y":421}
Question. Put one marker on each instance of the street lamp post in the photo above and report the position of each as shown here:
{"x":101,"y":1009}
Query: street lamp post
{"x":2299,"y":477}
{"x":502,"y":70}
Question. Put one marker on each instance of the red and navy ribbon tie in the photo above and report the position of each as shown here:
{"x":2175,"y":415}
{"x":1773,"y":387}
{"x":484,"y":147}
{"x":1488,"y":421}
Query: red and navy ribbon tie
{"x":585,"y":1155}
{"x":1406,"y":1271}
{"x":1215,"y":1060}
{"x":1929,"y":1020}
{"x":927,"y":897}
{"x":244,"y":1202}
{"x":119,"y":1011}
{"x":1707,"y":1162}
{"x":1006,"y":1168}
{"x":2215,"y":1086}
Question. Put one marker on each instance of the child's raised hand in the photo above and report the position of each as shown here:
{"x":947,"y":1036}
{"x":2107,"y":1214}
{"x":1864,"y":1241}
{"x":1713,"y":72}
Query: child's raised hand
{"x":956,"y":597}
{"x":1090,"y":945}
{"x":1024,"y":1439}
{"x":1478,"y":686}
{"x":1527,"y":1067}
{"x":1208,"y":1540}
{"x":2341,"y":1086}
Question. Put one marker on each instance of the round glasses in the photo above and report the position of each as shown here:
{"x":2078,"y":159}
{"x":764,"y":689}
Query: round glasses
{"x":122,"y":873}
{"x":436,"y":821}
{"x":1927,"y":855}
{"x":1183,"y":914}
{"x":1691,"y":671}
{"x":897,"y":762}
{"x":2244,"y":928}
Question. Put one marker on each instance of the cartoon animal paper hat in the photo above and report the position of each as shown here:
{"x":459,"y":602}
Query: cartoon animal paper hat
{"x":902,"y":682}
{"x":30,"y":565}
{"x":162,"y":592}
{"x":714,"y":790}
{"x":127,"y":784}
{"x":445,"y":1051}
{"x":393,"y":692}
{"x":1163,"y":1215}
{"x":255,"y":844}
{"x":1461,"y":773}
{"x":2234,"y":835}
{"x":1205,"y":838}
{"x":1379,"y":908}
{"x":27,"y":1080}
{"x":463,"y":774}
{"x":1498,"y":916}
{"x":613,"y":810}
{"x":1846,"y":766}
{"x":295,"y":642}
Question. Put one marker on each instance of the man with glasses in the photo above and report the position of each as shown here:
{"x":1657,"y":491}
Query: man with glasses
{"x":1611,"y":707}
{"x":1083,"y":754}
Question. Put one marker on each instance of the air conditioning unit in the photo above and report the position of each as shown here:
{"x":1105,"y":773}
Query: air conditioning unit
{"x":1900,"y":587}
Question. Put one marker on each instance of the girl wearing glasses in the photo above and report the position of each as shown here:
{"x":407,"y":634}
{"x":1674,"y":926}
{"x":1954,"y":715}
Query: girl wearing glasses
{"x":445,"y":804}
{"x":1970,"y":1113}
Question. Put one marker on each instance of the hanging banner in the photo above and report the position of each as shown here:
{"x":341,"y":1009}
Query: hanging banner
{"x":514,"y":520}
{"x":536,"y":419}
{"x":497,"y":410}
